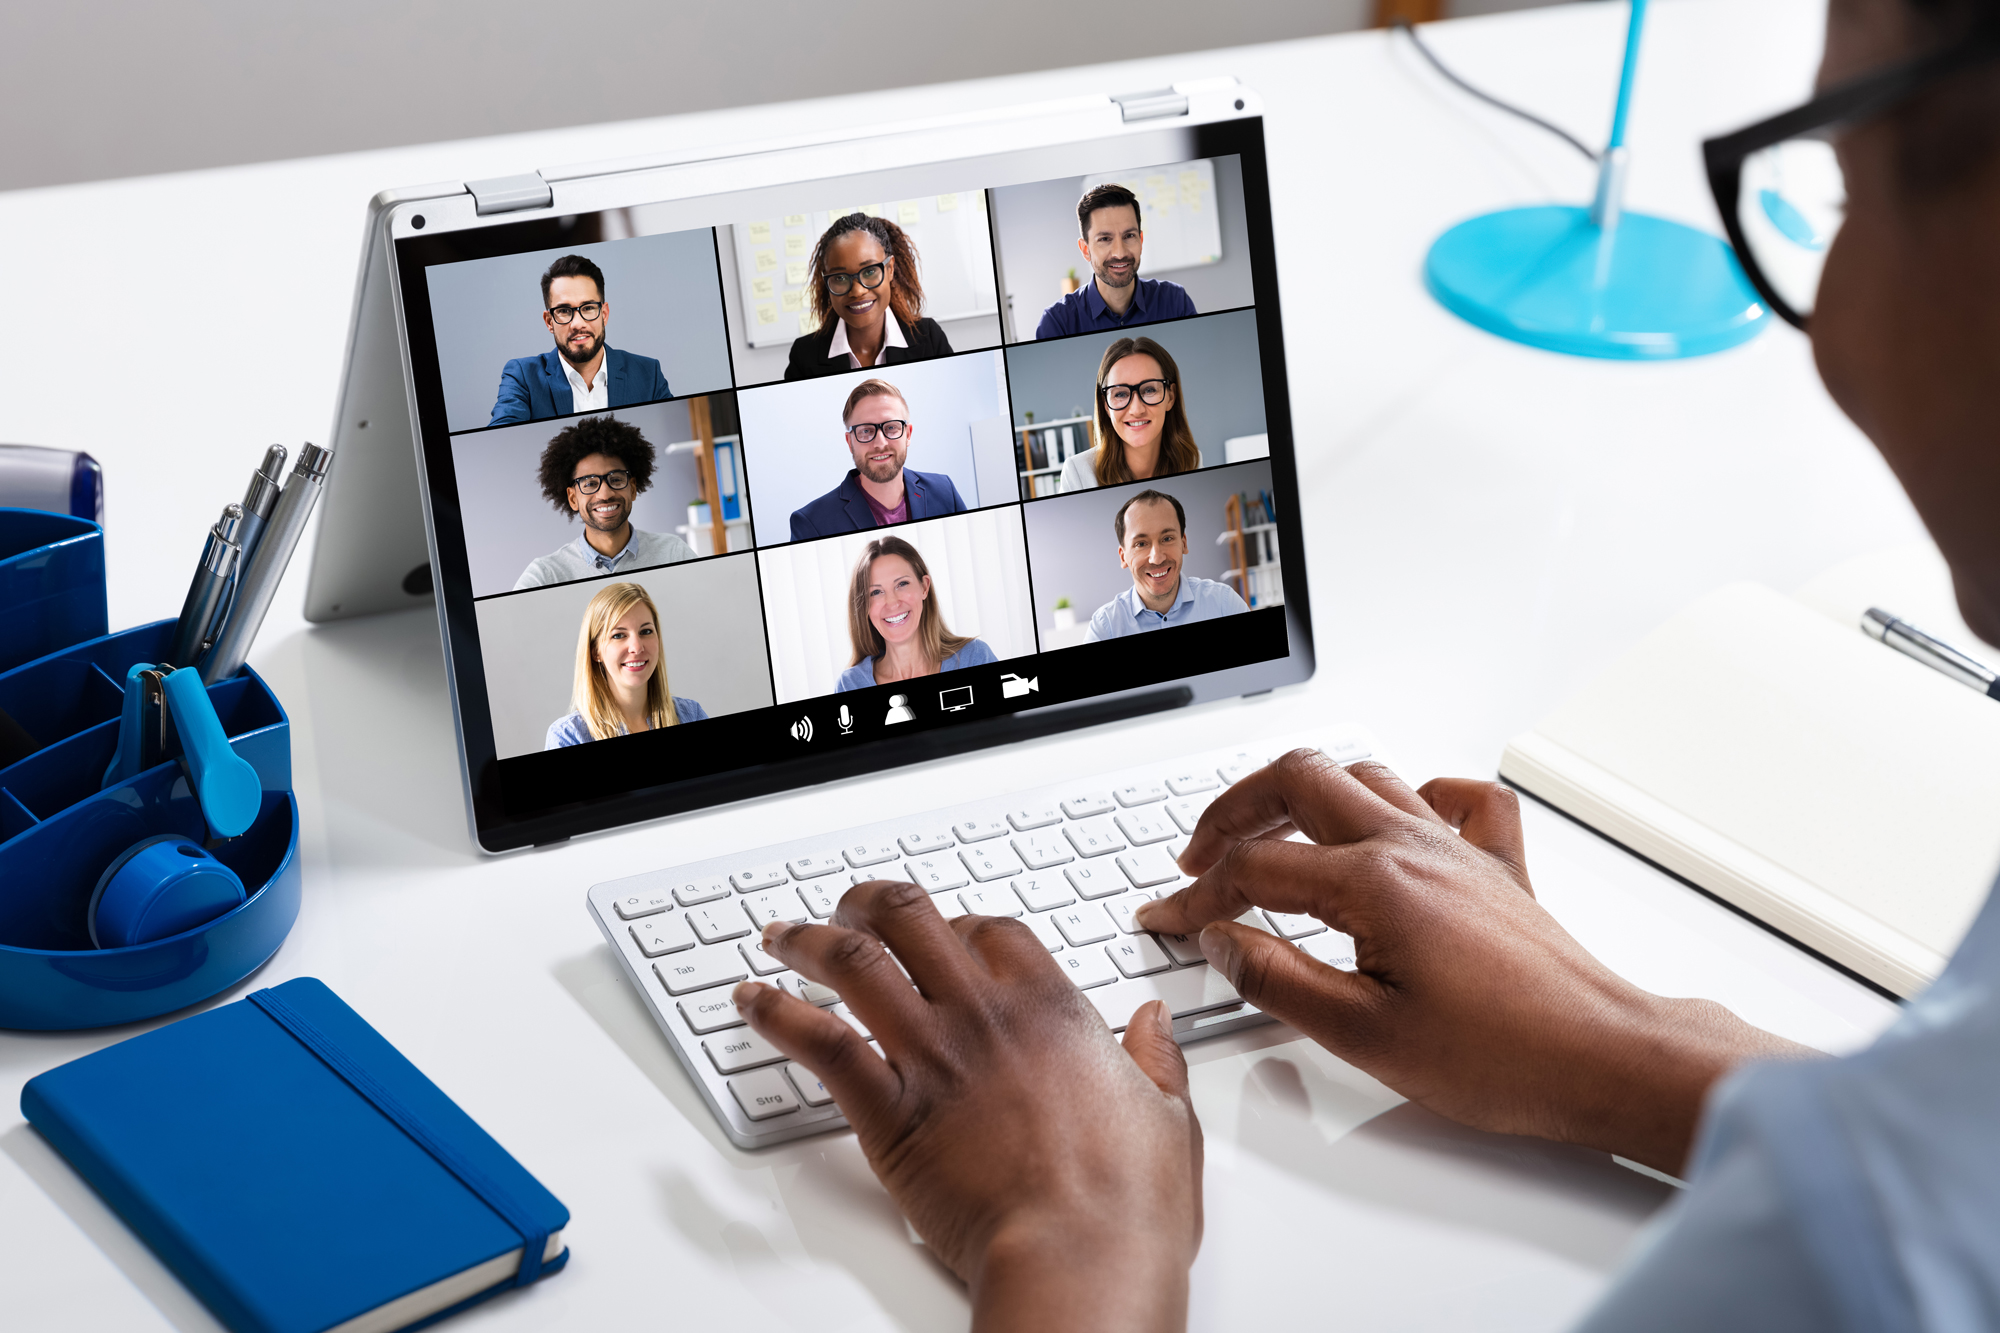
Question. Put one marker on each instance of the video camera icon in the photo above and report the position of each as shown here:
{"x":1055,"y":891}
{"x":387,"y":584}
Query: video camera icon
{"x":1013,"y":686}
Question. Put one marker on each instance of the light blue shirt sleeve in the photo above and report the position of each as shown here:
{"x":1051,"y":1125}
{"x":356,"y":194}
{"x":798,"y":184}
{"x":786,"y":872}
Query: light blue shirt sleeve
{"x":1854,"y":1194}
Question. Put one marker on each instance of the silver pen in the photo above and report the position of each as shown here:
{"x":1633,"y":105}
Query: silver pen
{"x":207,"y":596}
{"x":258,"y":583}
{"x":258,"y":502}
{"x":1910,"y":641}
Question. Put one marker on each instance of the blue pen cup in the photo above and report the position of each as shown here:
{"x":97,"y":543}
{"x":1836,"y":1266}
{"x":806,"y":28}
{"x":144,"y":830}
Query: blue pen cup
{"x":59,"y":833}
{"x":51,"y":583}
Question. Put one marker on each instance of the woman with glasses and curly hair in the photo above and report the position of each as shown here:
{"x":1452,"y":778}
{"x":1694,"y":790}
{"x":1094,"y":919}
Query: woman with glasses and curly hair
{"x":895,"y":624}
{"x":621,"y":676}
{"x":1140,"y":423}
{"x":864,"y":288}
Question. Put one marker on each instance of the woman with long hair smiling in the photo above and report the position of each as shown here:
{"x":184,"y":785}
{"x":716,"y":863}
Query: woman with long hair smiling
{"x":894,"y":622}
{"x":863,"y":287}
{"x":620,"y":685}
{"x":1140,"y":425}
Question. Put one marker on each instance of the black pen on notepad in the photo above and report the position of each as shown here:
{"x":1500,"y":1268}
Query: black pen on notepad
{"x":1910,"y":641}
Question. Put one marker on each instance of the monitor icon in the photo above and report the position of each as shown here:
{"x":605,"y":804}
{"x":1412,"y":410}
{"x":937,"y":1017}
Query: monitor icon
{"x":1013,"y":686}
{"x":954,"y":700}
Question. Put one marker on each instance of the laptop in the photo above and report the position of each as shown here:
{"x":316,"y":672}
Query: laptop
{"x":735,"y":472}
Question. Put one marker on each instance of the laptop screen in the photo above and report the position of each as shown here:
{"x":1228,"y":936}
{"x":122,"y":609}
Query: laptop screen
{"x":740,"y":491}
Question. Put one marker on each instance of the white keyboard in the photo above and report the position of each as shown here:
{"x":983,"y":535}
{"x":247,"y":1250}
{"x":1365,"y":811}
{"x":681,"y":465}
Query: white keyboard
{"x":1071,"y":861}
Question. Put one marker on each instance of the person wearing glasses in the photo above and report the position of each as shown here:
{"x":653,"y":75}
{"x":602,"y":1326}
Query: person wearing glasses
{"x":594,"y":470}
{"x":1116,"y":297}
{"x":895,"y":623}
{"x":1152,"y":542}
{"x":878,"y":490}
{"x":864,"y":289}
{"x":1822,"y":1194}
{"x":620,"y":686}
{"x":1140,"y":422}
{"x":581,"y":373}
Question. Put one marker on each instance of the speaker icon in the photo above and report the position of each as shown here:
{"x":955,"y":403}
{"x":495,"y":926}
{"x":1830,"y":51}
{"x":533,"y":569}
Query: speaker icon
{"x":802,"y":730}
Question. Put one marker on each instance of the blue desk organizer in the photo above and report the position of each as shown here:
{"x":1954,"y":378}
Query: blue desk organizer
{"x":58,"y":831}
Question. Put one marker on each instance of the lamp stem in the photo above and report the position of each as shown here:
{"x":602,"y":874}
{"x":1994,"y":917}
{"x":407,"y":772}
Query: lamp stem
{"x":1610,"y":200}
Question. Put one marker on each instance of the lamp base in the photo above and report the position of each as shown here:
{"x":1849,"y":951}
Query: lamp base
{"x":1541,"y":276}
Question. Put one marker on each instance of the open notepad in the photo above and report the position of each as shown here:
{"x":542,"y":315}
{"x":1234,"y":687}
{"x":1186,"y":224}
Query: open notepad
{"x":1776,"y":757}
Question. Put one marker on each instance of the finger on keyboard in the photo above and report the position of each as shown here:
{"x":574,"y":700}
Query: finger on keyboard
{"x":819,"y":1040}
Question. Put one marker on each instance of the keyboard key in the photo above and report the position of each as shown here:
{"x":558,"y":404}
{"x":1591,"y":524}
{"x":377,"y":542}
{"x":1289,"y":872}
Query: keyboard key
{"x":996,"y":861}
{"x":1332,"y":948}
{"x":1121,"y":909}
{"x":1087,"y":804}
{"x":996,"y":901}
{"x":1346,"y":752}
{"x":1039,"y":815}
{"x":1148,"y":866}
{"x":1138,"y":956}
{"x":632,"y":906}
{"x":1256,"y":921}
{"x":1192,"y":781}
{"x":1187,"y":991}
{"x":1039,"y":851}
{"x":739,"y":1051}
{"x":1140,"y":793}
{"x":692,"y":893}
{"x":670,"y":934}
{"x":979,"y":830}
{"x":1145,"y":827}
{"x":710,"y":1012}
{"x":870,"y":853}
{"x":1045,"y":931}
{"x":821,"y":899}
{"x":1087,"y":968}
{"x":809,"y":991}
{"x":1085,"y":923}
{"x":764,"y":1094}
{"x":773,"y":905}
{"x":1183,"y":949}
{"x":1095,"y":880}
{"x":948,"y":905}
{"x":937,"y":873}
{"x":1294,"y":926}
{"x":853,"y":1020}
{"x":712,"y":925}
{"x":1094,"y":837}
{"x":923,"y":843}
{"x":1186,"y":812}
{"x":879,"y":872}
{"x":760,"y":962}
{"x":811,"y":1091}
{"x":812,"y":867}
{"x":1238,"y":766}
{"x":1044,"y":893}
{"x":684,"y":972}
{"x":756,"y":878}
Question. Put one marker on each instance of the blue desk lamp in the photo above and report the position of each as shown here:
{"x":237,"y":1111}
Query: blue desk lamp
{"x":1597,"y":281}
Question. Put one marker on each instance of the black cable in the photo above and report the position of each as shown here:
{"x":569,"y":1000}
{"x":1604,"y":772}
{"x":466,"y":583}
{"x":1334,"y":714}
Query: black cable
{"x":1489,"y":98}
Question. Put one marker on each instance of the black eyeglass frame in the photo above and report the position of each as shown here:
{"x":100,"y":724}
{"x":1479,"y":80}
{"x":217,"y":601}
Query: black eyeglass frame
{"x":556,"y":312}
{"x":1105,"y":391}
{"x":881,"y":428}
{"x":588,"y":483}
{"x":1823,"y":118}
{"x":882,"y":271}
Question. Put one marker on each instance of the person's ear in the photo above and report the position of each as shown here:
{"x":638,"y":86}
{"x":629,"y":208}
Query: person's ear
{"x":575,"y":498}
{"x":1083,"y":246}
{"x":1123,"y":561}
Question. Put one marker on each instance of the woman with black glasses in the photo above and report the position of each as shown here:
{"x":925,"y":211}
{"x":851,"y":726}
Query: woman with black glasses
{"x":1140,"y":422}
{"x":866,"y":292}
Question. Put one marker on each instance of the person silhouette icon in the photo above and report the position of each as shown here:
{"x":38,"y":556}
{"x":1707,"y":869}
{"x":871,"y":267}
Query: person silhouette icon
{"x":899,"y":710}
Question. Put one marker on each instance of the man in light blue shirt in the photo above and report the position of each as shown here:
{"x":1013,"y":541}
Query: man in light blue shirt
{"x":1152,"y":543}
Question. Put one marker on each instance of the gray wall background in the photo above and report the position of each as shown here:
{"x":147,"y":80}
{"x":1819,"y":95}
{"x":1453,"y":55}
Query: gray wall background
{"x":714,"y":638}
{"x":663,"y":299}
{"x":1035,"y":226}
{"x":508,"y":523}
{"x":1217,"y":355}
{"x":125,"y":87}
{"x":1073,"y":552}
{"x":793,"y":437}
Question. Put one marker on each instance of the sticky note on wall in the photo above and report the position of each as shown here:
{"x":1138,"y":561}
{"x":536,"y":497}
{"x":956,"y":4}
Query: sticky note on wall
{"x":795,"y":274}
{"x":760,"y":233}
{"x":947,"y":202}
{"x":767,"y":313}
{"x":795,"y":220}
{"x":907,"y":214}
{"x":763,"y":288}
{"x":796,"y":246}
{"x":766,"y":260}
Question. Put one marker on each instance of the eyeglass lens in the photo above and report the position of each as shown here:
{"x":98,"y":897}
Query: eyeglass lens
{"x":1151,"y":392}
{"x":1791,"y":203}
{"x":565,"y":313}
{"x":864,"y":431}
{"x":588,"y":482}
{"x":840,"y":284}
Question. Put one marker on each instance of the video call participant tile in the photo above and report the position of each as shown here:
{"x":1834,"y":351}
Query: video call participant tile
{"x":595,"y":325}
{"x":914,"y":601}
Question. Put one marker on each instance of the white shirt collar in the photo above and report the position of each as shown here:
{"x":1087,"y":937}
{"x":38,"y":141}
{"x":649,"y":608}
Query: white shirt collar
{"x":595,"y":395}
{"x":892,"y":336}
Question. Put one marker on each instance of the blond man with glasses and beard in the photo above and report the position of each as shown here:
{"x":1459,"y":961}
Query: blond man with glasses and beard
{"x":878,"y":490}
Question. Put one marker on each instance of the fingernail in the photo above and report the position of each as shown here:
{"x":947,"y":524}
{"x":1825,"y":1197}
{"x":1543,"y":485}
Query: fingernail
{"x":1221,"y":953}
{"x":1165,"y":1018}
{"x":774,"y":930}
{"x":1144,"y":915}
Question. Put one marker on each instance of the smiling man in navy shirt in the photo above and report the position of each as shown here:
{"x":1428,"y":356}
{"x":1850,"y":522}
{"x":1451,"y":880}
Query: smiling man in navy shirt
{"x":1116,"y":297}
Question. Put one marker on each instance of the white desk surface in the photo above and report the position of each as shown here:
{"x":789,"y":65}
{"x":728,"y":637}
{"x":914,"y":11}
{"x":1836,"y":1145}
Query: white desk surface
{"x":1488,"y":525}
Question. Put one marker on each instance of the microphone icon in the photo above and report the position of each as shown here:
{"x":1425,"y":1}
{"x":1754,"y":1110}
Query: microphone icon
{"x":846,"y":721}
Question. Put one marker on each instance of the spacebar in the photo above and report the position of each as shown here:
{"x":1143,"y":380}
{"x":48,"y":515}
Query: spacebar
{"x":1188,"y":990}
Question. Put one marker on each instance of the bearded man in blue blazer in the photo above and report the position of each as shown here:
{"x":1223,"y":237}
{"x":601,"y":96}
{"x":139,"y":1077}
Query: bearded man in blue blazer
{"x":581,"y":373}
{"x":878,"y":490}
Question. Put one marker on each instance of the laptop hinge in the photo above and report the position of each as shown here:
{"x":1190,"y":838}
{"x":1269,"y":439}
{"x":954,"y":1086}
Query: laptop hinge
{"x":511,"y":194}
{"x":1154,"y":105}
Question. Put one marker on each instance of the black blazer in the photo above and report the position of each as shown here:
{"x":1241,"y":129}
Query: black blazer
{"x":810,"y":359}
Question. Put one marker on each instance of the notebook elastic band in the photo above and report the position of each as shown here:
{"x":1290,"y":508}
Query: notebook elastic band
{"x":534,"y":1239}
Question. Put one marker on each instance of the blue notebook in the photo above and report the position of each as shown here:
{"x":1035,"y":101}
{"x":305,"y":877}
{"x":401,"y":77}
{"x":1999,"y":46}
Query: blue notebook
{"x":296,"y":1171}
